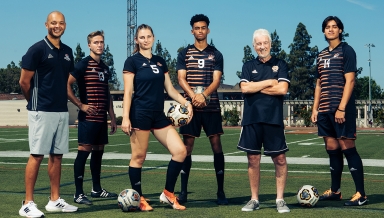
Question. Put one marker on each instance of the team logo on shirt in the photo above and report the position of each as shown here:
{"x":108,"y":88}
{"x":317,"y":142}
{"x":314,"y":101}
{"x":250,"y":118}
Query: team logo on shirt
{"x":159,"y":64}
{"x":93,"y":69}
{"x":190,"y":57}
{"x":66,"y":57}
{"x":50,"y":56}
{"x":336,"y":55}
{"x":210,"y":57}
{"x":144,"y":64}
{"x":275,"y":69}
{"x":254,"y":71}
{"x":101,"y":76}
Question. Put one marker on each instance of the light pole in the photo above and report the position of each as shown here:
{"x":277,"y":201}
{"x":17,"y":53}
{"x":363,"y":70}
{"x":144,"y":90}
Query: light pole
{"x":370,"y":98}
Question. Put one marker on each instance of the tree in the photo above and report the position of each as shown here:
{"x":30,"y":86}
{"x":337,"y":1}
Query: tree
{"x":276,"y":47}
{"x":301,"y":63}
{"x":247,"y":57}
{"x":362,"y":89}
{"x":9,"y":79}
{"x":79,"y":54}
{"x":107,"y":58}
{"x":171,"y":63}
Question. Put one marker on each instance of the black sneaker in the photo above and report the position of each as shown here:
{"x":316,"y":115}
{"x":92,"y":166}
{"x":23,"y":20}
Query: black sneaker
{"x":103,"y":194}
{"x":82,"y":199}
{"x":329,"y":195}
{"x":357,"y":200}
{"x":182,"y":197}
{"x":221,"y":199}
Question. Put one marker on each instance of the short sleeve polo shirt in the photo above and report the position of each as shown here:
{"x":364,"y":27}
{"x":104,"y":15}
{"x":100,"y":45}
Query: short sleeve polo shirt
{"x":48,"y":91}
{"x":148,"y":83}
{"x":259,"y":107}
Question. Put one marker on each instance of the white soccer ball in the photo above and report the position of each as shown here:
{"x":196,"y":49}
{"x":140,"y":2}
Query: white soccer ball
{"x":307,"y":196}
{"x":200,"y":89}
{"x":178,"y":115}
{"x":128,"y":200}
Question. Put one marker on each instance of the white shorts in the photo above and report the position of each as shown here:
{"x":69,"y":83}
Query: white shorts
{"x":48,"y":132}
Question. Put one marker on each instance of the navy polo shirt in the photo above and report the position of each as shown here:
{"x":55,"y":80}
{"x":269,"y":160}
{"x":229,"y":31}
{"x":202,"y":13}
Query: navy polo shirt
{"x":48,"y":91}
{"x":148,"y":84}
{"x":259,"y":107}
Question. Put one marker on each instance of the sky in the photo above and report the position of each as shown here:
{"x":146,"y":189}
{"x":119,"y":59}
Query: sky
{"x":231,"y":28}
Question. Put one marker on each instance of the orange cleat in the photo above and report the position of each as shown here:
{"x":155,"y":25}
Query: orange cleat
{"x":144,"y":206}
{"x":170,"y":198}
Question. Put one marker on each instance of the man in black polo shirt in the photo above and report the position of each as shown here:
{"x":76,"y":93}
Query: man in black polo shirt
{"x":264,"y":82}
{"x":43,"y":80}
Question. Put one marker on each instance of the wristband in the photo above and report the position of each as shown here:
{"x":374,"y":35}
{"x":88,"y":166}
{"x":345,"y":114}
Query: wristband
{"x":340,"y":110}
{"x":205,"y":97}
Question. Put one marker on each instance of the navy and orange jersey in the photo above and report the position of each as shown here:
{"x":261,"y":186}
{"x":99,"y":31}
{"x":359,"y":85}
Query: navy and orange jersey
{"x":92,"y":79}
{"x":148,"y":83}
{"x":260,"y":107}
{"x":200,"y":66}
{"x":331,"y":67}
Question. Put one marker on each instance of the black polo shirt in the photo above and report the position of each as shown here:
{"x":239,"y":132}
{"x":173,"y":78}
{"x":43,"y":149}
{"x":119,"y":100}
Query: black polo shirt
{"x":48,"y":89}
{"x":148,"y":84}
{"x":259,"y":107}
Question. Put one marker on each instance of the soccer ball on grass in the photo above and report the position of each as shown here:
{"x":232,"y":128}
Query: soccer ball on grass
{"x":128,"y":200}
{"x":307,"y":196}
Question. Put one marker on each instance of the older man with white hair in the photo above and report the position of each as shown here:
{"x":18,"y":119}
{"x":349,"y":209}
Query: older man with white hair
{"x":264,"y":82}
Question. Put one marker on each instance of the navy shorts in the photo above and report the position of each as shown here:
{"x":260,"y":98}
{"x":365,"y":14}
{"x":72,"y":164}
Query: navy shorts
{"x":148,"y":120}
{"x":254,"y":136}
{"x":327,"y":126}
{"x":210,"y":121}
{"x":92,"y":133}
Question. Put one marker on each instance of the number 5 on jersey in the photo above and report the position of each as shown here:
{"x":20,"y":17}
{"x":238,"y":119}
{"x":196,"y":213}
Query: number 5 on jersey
{"x":154,"y":68}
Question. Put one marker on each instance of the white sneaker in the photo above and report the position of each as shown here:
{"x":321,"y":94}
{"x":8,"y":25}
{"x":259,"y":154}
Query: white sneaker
{"x":59,"y":206}
{"x":30,"y":210}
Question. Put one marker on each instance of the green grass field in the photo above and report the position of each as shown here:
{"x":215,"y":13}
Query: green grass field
{"x":202,"y":185}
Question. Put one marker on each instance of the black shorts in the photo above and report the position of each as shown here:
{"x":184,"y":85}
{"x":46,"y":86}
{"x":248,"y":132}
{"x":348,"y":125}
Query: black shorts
{"x":327,"y":126}
{"x":254,"y":136}
{"x":210,"y":121}
{"x":92,"y":133}
{"x":148,"y":120}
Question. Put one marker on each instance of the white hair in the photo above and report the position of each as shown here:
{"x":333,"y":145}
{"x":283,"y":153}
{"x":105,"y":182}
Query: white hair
{"x":261,"y":32}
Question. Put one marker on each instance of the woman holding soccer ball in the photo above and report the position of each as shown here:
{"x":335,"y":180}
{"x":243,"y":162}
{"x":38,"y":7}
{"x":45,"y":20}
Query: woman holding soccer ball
{"x":146,"y":76}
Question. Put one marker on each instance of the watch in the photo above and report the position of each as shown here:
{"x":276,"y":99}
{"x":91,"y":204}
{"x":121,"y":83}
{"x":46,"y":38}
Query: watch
{"x":187,"y":103}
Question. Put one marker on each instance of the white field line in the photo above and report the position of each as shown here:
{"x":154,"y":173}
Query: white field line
{"x":287,"y":144}
{"x":201,"y":169}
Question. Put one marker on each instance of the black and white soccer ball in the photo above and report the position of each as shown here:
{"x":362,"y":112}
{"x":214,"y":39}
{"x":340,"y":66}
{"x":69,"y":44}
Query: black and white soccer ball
{"x":307,"y":196}
{"x":178,"y":115}
{"x":128,"y":200}
{"x":200,"y":89}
